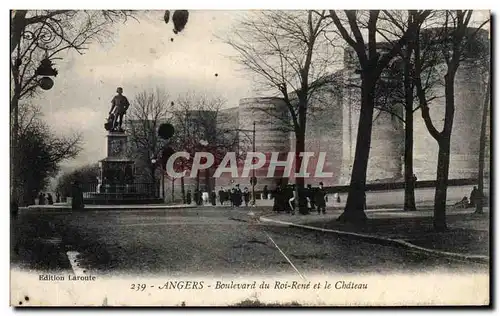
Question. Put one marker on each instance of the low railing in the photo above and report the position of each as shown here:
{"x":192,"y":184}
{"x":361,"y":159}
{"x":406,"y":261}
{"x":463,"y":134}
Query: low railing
{"x":121,"y":191}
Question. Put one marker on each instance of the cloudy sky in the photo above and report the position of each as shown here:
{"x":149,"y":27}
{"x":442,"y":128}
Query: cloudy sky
{"x":142,"y":56}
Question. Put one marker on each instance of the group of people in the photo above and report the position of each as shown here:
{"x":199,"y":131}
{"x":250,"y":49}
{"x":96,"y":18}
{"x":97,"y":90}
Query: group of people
{"x":196,"y":197}
{"x":44,"y":199}
{"x":234,"y":197}
{"x":473,"y":201}
{"x":285,"y":199}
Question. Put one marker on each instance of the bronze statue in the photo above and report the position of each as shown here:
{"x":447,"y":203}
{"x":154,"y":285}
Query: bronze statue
{"x":119,"y":106}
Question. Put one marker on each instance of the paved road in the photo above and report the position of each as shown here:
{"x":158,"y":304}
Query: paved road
{"x":206,"y":241}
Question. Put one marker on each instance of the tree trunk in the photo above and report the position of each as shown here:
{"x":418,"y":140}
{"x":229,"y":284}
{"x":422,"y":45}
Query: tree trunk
{"x":443,"y":166}
{"x":16,"y":197}
{"x":355,"y":204}
{"x":183,"y":191}
{"x":408,"y":159}
{"x":441,"y":185}
{"x":482,"y":148}
{"x":17,"y":28}
{"x":300,"y":181}
{"x":408,"y":154}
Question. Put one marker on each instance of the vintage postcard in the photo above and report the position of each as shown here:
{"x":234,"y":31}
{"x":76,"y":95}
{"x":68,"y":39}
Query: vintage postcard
{"x":250,"y":158}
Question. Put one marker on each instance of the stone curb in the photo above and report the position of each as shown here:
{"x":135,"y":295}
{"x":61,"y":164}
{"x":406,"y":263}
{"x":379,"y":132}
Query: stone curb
{"x":387,"y":241}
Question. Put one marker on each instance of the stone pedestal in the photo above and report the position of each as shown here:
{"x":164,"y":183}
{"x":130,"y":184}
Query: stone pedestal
{"x":116,"y":168}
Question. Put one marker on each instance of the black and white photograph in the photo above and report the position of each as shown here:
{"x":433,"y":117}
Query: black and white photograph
{"x":250,"y":158}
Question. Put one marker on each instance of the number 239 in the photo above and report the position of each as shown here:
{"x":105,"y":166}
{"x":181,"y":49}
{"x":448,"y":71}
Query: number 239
{"x":138,"y":287}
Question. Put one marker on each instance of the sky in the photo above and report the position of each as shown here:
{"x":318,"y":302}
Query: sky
{"x":141,"y":57}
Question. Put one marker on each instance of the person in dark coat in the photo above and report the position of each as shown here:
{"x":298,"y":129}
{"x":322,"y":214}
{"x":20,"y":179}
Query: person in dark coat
{"x":58,"y":197}
{"x":474,"y":197}
{"x":196,"y":197}
{"x":230,"y":194}
{"x":321,"y":199}
{"x":213,"y":198}
{"x":238,"y":195}
{"x":41,"y":199}
{"x":246,"y":196}
{"x":222,"y":196}
{"x":76,"y":196}
{"x":278,"y":197}
{"x":199,"y":197}
{"x":311,"y":198}
{"x":50,"y":200}
{"x":188,"y":197}
{"x":265,"y":192}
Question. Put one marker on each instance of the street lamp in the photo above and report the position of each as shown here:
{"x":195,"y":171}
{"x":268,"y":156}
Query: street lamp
{"x":46,"y":70}
{"x":47,"y":36}
{"x":155,"y":163}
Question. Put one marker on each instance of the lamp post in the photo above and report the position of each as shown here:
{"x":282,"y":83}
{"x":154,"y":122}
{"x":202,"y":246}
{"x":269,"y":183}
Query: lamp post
{"x":155,"y":162}
{"x":44,"y":36}
{"x":253,"y":180}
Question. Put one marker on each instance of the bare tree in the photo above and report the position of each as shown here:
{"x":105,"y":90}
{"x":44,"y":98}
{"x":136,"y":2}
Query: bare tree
{"x":452,"y":41}
{"x":148,"y":110}
{"x":288,"y":53}
{"x":23,"y":19}
{"x":44,"y":34}
{"x":373,"y":59}
{"x":41,"y":152}
{"x":200,"y":126}
{"x":395,"y":91}
{"x":482,"y":145}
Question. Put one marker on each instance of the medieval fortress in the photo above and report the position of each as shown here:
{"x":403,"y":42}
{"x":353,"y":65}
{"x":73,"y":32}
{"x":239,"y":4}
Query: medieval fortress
{"x":333,"y":129}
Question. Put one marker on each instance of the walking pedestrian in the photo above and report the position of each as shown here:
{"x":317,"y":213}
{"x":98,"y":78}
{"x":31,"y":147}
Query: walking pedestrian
{"x":213,"y":198}
{"x":230,"y":194}
{"x":76,"y":196}
{"x":188,"y":197}
{"x":196,"y":197}
{"x":41,"y":199}
{"x":278,"y":199}
{"x":246,"y":196}
{"x":475,"y":195}
{"x":50,"y":200}
{"x":222,"y":197}
{"x":321,"y":199}
{"x":310,"y":196}
{"x":238,"y":195}
{"x":265,"y":192}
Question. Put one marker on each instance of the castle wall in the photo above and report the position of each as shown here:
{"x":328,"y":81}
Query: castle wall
{"x":271,"y":124}
{"x":324,"y":135}
{"x":387,"y":139}
{"x":469,"y":99}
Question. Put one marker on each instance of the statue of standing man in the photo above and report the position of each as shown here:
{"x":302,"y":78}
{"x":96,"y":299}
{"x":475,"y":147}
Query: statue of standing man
{"x":119,"y":106}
